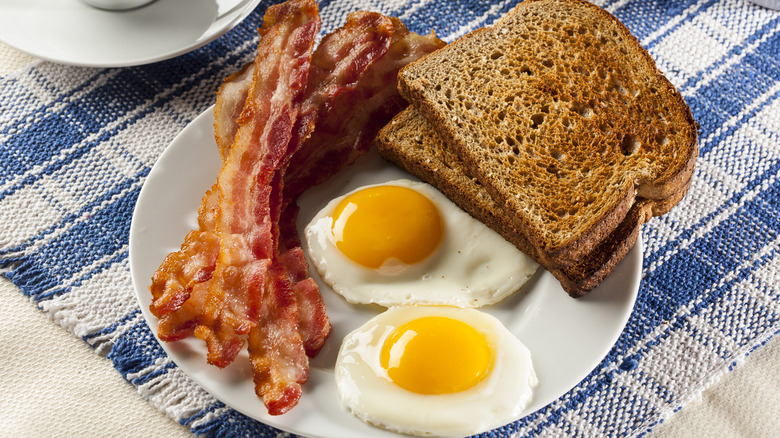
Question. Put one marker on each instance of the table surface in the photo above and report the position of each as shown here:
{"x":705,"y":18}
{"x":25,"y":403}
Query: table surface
{"x":49,"y":373}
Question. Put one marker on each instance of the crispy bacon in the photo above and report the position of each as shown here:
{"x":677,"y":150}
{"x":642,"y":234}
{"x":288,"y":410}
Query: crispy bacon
{"x":247,"y":295}
{"x":244,"y":219}
{"x":279,"y":363}
{"x":243,"y":274}
{"x":337,"y":64}
{"x":231,"y":98}
{"x":181,"y":323}
{"x":193,"y":264}
{"x":313,"y":322}
{"x":343,"y":134}
{"x":349,"y":130}
{"x":341,"y":59}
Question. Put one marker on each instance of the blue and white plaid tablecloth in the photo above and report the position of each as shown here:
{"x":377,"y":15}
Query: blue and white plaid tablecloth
{"x":77,"y":143}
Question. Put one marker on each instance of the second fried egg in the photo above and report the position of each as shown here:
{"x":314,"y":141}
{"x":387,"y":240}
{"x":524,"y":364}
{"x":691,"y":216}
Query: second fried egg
{"x":403,"y":242}
{"x":434,"y":371}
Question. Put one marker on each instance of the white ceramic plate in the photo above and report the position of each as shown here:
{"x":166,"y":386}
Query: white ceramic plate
{"x":72,"y":32}
{"x":567,"y":337}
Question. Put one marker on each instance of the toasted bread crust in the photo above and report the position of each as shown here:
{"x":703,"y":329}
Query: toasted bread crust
{"x":567,"y":144}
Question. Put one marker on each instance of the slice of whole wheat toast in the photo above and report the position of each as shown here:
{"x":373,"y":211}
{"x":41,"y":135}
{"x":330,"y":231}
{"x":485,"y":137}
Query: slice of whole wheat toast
{"x":564,"y":119}
{"x":412,"y":143}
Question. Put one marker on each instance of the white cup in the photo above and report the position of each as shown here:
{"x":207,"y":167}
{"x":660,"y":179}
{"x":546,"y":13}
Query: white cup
{"x":117,"y":5}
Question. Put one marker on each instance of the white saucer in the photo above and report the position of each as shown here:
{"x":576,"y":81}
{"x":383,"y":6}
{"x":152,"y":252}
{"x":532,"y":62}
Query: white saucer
{"x":72,"y":32}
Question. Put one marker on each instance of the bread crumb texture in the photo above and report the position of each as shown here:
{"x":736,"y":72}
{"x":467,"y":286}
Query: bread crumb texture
{"x":572,"y":115}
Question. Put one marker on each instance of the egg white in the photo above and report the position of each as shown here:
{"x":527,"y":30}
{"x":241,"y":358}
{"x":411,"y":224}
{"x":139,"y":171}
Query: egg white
{"x":472,"y":267}
{"x":366,"y":391}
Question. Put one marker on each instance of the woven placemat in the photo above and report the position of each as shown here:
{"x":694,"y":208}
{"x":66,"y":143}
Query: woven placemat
{"x":77,"y":144}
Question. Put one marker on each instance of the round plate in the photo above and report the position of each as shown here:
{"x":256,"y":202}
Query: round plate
{"x":72,"y":32}
{"x":567,"y":337}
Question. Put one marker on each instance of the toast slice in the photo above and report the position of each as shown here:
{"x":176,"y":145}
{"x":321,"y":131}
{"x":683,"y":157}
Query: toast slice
{"x":564,"y":119}
{"x":412,"y":143}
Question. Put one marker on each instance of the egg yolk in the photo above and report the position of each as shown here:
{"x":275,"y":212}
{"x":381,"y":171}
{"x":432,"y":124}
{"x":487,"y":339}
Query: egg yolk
{"x":435,"y":355}
{"x":381,"y":223}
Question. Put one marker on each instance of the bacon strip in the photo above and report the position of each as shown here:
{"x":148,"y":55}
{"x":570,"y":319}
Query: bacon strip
{"x":349,"y":129}
{"x":356,"y":115}
{"x":313,"y":322}
{"x":231,"y":97}
{"x":183,"y":270}
{"x":243,"y":219}
{"x":243,"y":273}
{"x":338,"y":62}
{"x":341,"y":59}
{"x":347,"y":113}
{"x":193,"y":265}
{"x":276,"y":351}
{"x":181,"y":323}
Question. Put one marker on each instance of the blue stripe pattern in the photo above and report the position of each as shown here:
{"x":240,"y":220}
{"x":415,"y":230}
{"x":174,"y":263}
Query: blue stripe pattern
{"x":77,"y":143}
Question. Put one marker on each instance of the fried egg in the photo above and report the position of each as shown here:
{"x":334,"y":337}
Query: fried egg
{"x":434,"y":370}
{"x":403,"y":242}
